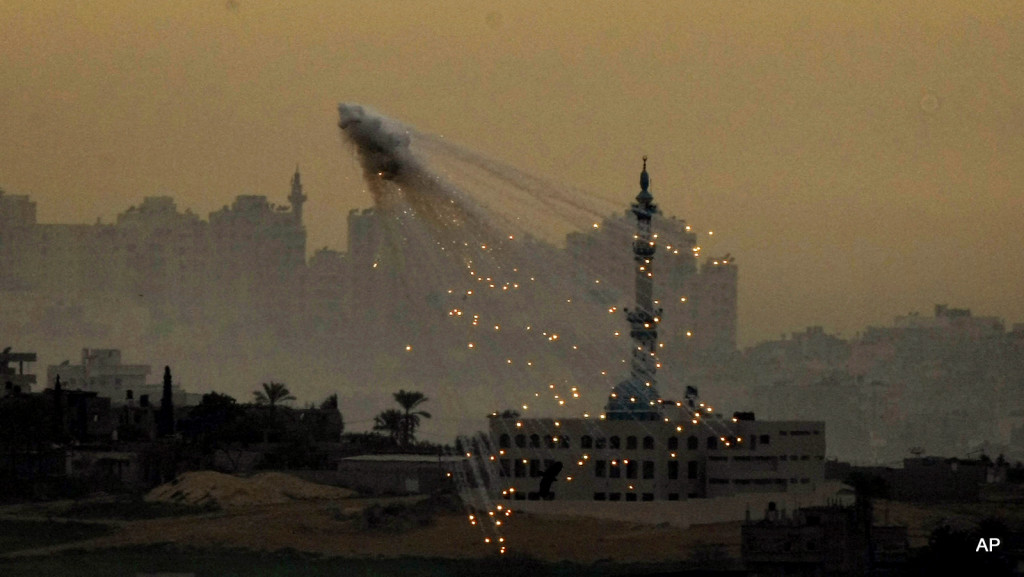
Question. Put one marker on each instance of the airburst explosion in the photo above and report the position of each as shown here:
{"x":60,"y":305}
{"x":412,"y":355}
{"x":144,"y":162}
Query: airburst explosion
{"x":474,"y":238}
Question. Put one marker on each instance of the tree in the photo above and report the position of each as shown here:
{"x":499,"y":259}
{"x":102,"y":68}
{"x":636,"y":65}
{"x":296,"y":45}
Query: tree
{"x":272,"y":394}
{"x":330,"y":403}
{"x":409,"y":400}
{"x":389,"y":421}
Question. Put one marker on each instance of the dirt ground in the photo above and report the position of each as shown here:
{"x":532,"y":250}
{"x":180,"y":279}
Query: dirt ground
{"x":332,"y":528}
{"x":325,"y":521}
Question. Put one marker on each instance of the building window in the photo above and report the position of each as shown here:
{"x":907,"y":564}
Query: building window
{"x":599,"y":468}
{"x":673,"y":469}
{"x":586,"y":442}
{"x":506,"y":467}
{"x":648,"y":469}
{"x":647,"y":497}
{"x":549,"y":441}
{"x":630,"y":442}
{"x":712,"y":442}
{"x":535,"y":441}
{"x":631,"y":496}
{"x":765,"y":439}
{"x":614,"y":471}
{"x":691,"y":470}
{"x":600,"y":443}
{"x":692,"y":443}
{"x":613,"y":443}
{"x":520,"y":441}
{"x":599,"y":496}
{"x":534,"y":467}
{"x":563,"y":442}
{"x":520,"y":469}
{"x":614,"y":497}
{"x":631,"y":470}
{"x":673,"y":496}
{"x":673,"y":443}
{"x":648,"y":442}
{"x":504,"y":441}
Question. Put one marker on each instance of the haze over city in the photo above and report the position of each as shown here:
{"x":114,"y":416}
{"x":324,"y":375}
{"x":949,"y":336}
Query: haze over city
{"x":688,"y":287}
{"x":860,"y":160}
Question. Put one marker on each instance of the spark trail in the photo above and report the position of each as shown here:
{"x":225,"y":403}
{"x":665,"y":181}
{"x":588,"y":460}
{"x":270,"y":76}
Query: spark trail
{"x":473,"y":295}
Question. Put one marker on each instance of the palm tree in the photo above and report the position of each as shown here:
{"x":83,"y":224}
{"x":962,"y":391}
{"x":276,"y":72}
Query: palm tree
{"x":272,"y":394}
{"x":409,"y":400}
{"x":390,"y":421}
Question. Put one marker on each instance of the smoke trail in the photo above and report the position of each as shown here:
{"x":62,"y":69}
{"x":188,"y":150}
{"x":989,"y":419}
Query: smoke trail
{"x":383,"y":144}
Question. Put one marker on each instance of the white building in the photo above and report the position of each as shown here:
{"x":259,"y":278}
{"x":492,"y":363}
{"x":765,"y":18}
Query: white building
{"x":102,"y":372}
{"x":622,"y":460}
{"x":647,"y":448}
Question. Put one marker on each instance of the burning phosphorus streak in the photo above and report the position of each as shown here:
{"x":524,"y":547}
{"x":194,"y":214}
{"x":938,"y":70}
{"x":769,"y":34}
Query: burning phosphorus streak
{"x":518,"y":310}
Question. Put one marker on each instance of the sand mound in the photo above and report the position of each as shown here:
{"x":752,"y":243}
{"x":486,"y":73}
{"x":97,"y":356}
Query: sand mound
{"x":228,"y":491}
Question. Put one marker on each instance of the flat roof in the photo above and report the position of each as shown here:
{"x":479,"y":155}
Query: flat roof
{"x":407,"y":458}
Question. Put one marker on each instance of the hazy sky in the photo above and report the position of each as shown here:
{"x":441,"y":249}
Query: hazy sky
{"x":861,"y":160}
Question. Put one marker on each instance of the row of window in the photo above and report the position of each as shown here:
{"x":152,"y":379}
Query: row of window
{"x":617,"y":469}
{"x":775,"y":481}
{"x":628,"y":496}
{"x":614,"y":469}
{"x":517,"y":468}
{"x":799,"y":433}
{"x":588,"y":442}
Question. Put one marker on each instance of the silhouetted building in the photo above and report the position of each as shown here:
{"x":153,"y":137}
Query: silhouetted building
{"x":160,"y":259}
{"x":15,"y":378}
{"x":102,"y":372}
{"x":399,"y":474}
{"x":830,"y":541}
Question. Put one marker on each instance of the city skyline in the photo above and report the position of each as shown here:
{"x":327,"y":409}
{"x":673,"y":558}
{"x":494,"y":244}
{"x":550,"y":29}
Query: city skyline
{"x":859,"y":160}
{"x":783,"y":331}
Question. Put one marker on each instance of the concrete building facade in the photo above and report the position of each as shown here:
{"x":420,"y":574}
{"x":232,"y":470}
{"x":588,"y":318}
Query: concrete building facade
{"x":626,"y":460}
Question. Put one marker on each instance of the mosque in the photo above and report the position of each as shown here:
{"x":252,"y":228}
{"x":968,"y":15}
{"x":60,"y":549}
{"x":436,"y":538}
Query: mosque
{"x":646,"y":447}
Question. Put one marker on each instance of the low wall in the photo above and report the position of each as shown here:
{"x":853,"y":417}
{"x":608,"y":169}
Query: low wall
{"x":681,"y":513}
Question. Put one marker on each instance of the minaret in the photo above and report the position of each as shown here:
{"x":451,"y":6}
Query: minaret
{"x":296,"y":198}
{"x":637,"y":397}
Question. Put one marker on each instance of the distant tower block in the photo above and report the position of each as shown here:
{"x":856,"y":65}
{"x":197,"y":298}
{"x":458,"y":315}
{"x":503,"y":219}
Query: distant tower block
{"x":637,"y":398}
{"x":296,"y":198}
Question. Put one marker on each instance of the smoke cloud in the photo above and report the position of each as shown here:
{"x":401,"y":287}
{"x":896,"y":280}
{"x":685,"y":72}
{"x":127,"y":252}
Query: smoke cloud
{"x":382,"y":143}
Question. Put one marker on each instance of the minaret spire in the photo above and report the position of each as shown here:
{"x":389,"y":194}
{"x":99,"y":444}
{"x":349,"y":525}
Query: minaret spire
{"x":637,"y":397}
{"x":296,"y":198}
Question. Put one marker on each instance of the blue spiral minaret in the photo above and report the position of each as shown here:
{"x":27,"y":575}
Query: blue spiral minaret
{"x":637,"y":398}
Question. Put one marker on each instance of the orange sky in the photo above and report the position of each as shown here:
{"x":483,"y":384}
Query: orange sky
{"x":859,"y":158}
